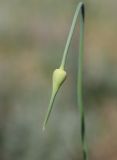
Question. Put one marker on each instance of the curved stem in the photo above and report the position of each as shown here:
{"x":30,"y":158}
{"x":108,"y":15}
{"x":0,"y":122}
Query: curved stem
{"x":80,"y":8}
{"x":80,"y":11}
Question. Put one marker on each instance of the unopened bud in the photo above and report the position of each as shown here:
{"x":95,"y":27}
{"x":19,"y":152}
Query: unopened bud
{"x":59,"y":76}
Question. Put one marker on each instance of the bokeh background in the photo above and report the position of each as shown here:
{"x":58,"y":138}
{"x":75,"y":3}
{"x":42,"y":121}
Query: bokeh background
{"x":32,"y":38}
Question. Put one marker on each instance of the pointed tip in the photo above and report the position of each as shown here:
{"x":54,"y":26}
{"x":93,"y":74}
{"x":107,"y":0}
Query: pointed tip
{"x":44,"y":124}
{"x":48,"y":111}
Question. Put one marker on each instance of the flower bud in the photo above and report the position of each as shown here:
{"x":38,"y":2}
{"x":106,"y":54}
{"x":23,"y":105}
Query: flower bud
{"x":59,"y":76}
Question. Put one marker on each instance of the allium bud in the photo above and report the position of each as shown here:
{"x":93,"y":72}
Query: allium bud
{"x":59,"y":76}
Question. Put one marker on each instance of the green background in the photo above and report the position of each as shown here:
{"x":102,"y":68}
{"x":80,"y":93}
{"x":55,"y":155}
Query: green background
{"x":32,"y":39}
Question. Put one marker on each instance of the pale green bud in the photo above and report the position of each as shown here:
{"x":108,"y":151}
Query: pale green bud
{"x":59,"y":76}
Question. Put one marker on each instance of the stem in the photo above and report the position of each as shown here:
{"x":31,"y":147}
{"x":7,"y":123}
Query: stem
{"x":80,"y":88}
{"x":79,"y":8}
{"x":80,"y":11}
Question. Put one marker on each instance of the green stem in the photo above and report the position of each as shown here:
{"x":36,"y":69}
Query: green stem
{"x":80,"y":88}
{"x":79,"y":8}
{"x":80,"y":11}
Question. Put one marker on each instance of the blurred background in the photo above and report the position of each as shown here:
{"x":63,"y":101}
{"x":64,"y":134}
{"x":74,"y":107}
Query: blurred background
{"x":32,"y":39}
